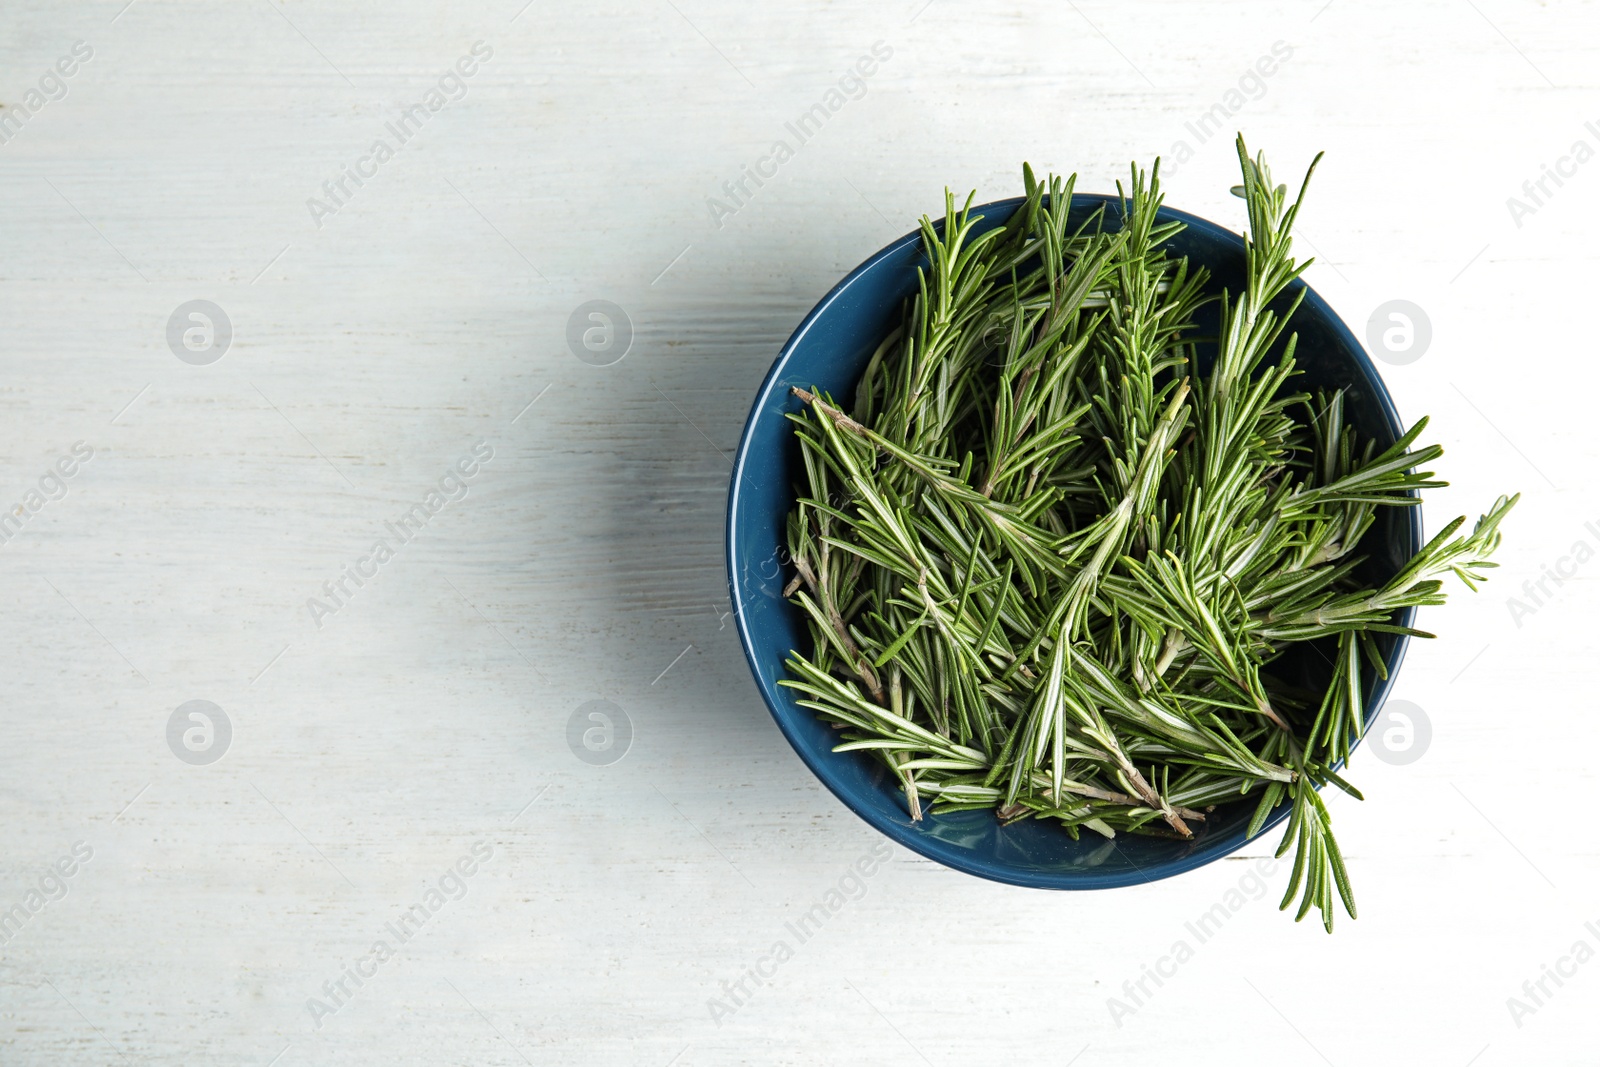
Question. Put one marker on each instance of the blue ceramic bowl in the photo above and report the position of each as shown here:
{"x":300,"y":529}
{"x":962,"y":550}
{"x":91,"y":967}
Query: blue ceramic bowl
{"x":829,"y":350}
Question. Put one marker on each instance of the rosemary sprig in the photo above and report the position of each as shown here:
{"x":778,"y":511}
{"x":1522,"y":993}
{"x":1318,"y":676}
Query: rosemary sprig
{"x":1049,"y":566}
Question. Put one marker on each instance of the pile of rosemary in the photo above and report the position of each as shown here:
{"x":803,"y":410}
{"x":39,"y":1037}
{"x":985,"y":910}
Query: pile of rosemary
{"x":1048,"y":565}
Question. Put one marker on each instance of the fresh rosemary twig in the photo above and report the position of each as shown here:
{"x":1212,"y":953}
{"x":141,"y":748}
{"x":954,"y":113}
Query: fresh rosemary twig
{"x":1048,"y":566}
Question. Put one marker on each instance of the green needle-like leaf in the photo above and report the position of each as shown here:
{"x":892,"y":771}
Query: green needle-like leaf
{"x":1058,"y":554}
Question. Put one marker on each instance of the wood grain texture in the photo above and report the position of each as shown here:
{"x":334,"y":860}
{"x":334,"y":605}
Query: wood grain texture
{"x":431,"y":712}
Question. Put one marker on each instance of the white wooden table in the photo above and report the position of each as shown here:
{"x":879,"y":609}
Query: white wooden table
{"x":377,"y":332}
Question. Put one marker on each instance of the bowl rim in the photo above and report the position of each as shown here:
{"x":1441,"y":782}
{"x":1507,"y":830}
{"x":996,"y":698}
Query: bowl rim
{"x":905,"y":833}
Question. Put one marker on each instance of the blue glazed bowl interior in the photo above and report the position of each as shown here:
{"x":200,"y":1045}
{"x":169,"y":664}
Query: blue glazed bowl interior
{"x":830,"y":350}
